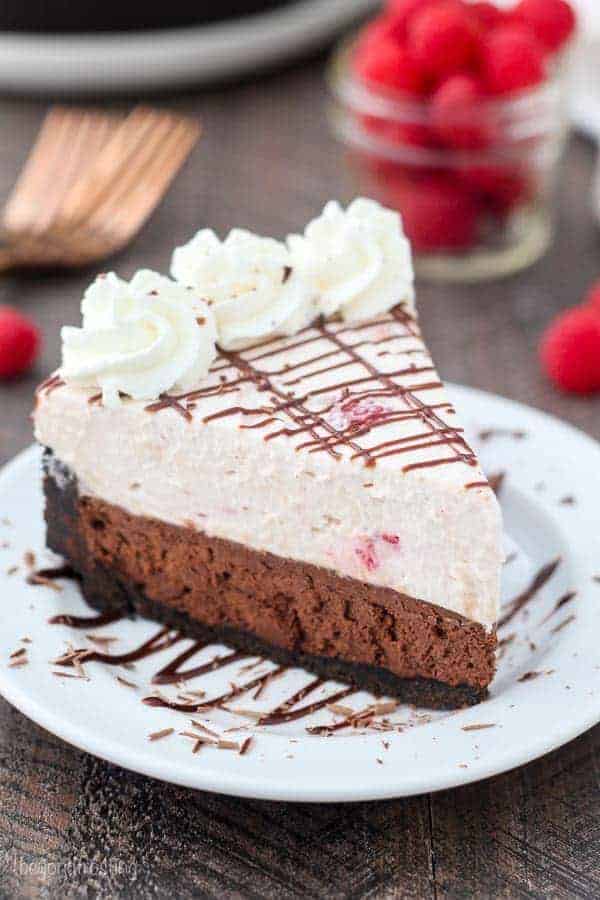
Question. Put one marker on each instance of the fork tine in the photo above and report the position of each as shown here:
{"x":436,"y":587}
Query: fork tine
{"x":130,"y":204}
{"x":127,"y":157}
{"x":115,"y":165}
{"x":153,"y":183}
{"x":83,"y":136}
{"x":66,"y":142}
{"x":87,"y":192}
{"x":39,"y":160}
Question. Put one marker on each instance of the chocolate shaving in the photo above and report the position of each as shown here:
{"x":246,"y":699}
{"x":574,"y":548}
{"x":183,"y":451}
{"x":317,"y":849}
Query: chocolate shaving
{"x":245,"y":746}
{"x":220,"y":744}
{"x":72,"y":657}
{"x":340,"y":710}
{"x":125,"y":683}
{"x":159,"y":735}
{"x":202,"y":727}
{"x":380,"y":709}
{"x":20,"y":652}
{"x":100,"y":640}
{"x":501,"y":432}
{"x":529,"y":676}
{"x":20,"y":661}
{"x":478,"y":727}
{"x":245,"y":713}
{"x":563,"y":624}
{"x":562,"y":601}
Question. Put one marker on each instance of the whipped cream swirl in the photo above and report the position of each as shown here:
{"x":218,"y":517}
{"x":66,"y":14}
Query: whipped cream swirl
{"x":140,"y":338}
{"x":357,"y":260}
{"x":250,"y":284}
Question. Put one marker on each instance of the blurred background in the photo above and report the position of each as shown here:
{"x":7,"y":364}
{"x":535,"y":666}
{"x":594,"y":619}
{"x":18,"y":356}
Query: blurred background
{"x":295,"y":108}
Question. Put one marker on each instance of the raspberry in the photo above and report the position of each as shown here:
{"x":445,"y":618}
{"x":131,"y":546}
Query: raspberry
{"x":443,"y":37}
{"x":456,"y":112}
{"x":366,"y":553}
{"x":570,"y":351}
{"x":552,"y":21}
{"x":402,"y":12}
{"x":592,"y":298}
{"x":486,"y":14}
{"x":390,"y":66}
{"x":436,"y":212}
{"x":399,"y":134}
{"x":513,"y":60}
{"x":20,"y":342}
{"x":502,"y":187}
{"x":380,"y":30}
{"x":355,"y":414}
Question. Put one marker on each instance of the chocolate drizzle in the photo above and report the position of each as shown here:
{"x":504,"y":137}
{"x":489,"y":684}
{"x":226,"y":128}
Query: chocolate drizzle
{"x":172,"y":674}
{"x":105,"y":618}
{"x":302,"y":409}
{"x":64,"y":571}
{"x":50,"y":384}
{"x":540,"y":579}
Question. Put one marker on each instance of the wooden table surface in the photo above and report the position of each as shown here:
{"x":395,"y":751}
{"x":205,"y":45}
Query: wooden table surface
{"x":74,"y":826}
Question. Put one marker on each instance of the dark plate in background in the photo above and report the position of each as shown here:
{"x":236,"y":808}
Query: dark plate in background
{"x":111,"y":15}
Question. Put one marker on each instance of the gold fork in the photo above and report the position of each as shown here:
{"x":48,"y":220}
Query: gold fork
{"x":90,"y":183}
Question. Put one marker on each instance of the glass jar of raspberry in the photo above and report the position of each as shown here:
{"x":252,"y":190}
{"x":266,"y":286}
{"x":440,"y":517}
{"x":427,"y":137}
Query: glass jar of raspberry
{"x":460,"y":148}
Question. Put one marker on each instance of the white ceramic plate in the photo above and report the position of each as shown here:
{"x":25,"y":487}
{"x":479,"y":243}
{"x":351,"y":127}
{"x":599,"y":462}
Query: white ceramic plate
{"x":154,"y":59}
{"x":550,"y":497}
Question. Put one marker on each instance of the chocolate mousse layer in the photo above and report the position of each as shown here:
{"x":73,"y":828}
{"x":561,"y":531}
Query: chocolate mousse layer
{"x":293,"y":612}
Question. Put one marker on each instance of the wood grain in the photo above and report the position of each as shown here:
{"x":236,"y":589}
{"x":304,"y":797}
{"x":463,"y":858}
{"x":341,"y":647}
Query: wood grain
{"x":74,"y":826}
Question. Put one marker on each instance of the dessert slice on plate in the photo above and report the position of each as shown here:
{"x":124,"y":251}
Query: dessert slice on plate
{"x":261,"y":453}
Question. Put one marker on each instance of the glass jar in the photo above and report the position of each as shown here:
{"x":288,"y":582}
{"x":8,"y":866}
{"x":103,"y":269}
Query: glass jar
{"x":480,"y":208}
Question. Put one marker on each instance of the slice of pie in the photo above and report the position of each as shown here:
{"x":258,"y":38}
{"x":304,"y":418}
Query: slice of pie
{"x":310,"y":497}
